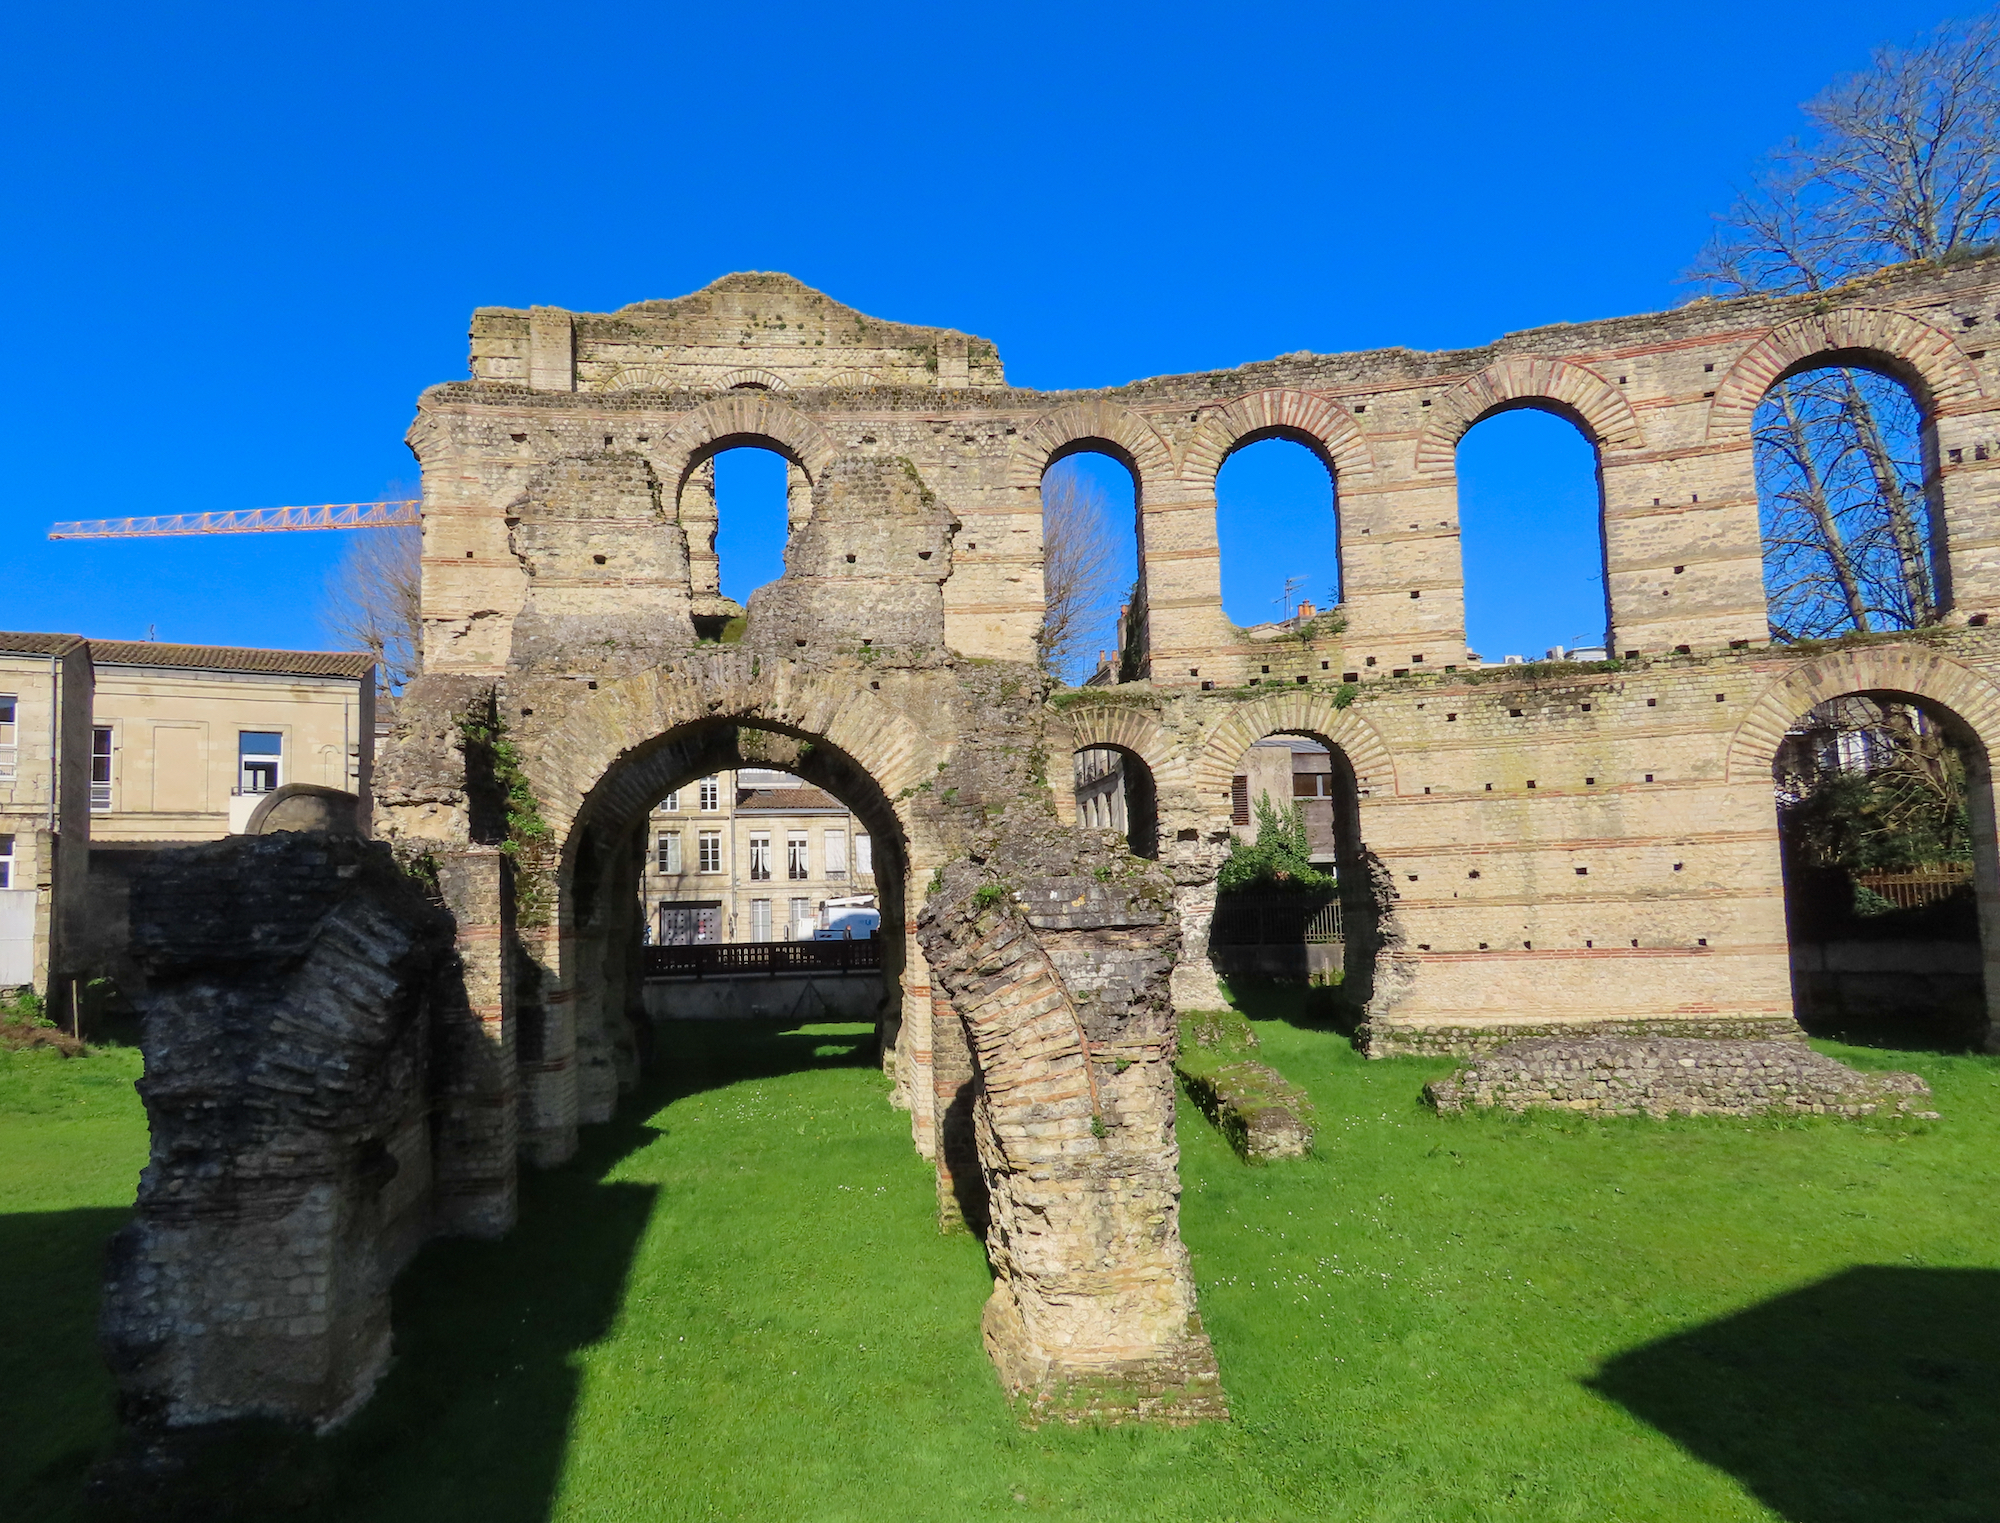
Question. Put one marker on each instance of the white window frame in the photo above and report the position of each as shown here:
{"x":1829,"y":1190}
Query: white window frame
{"x":9,"y":735}
{"x":760,"y":856}
{"x":803,"y":920}
{"x":864,"y":856}
{"x":833,"y":845}
{"x":260,"y":759}
{"x":671,"y":804}
{"x":760,"y":920}
{"x":6,"y":861}
{"x":711,"y":795}
{"x":669,"y":858}
{"x":798,"y":856}
{"x":100,"y":787}
{"x":710,"y":846}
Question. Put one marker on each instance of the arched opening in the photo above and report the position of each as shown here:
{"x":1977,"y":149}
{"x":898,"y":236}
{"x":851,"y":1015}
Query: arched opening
{"x":1886,"y":831}
{"x":728,"y":870}
{"x":1846,"y":480}
{"x":1093,"y":587}
{"x":1277,"y":527}
{"x":1531,"y":528}
{"x":1294,"y":899}
{"x":739,"y":506}
{"x":1115,"y":791}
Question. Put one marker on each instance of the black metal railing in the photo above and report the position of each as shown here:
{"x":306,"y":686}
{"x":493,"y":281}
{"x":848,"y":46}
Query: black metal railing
{"x":742,"y":959}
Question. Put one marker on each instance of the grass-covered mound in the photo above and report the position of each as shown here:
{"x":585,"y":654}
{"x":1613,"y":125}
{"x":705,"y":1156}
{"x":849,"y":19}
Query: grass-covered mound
{"x":736,"y":1304}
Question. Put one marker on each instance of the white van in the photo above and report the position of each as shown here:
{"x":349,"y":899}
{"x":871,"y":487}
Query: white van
{"x":852,"y":919}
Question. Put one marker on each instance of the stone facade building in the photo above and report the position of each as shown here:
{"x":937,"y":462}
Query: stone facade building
{"x":751,"y":855}
{"x":111,"y":748}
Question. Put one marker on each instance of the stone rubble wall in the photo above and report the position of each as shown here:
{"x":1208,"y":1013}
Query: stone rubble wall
{"x":1053,"y":953}
{"x":292,"y":984}
{"x":1676,"y":1077}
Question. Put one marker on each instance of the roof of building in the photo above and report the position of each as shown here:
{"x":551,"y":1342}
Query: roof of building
{"x":228,"y":658}
{"x":213,"y":658}
{"x":39,"y":645}
{"x":785,"y":800}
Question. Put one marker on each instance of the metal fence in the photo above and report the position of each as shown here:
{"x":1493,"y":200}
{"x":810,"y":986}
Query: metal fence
{"x":1274,"y":920}
{"x":1917,"y":887}
{"x":739,"y":959}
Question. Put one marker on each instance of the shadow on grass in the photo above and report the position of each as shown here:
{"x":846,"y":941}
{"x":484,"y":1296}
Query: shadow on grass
{"x":1873,"y":1394}
{"x":1310,"y":1007}
{"x":473,"y":1419}
{"x":55,"y":1398}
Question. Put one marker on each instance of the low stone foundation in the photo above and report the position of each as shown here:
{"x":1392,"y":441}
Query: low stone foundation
{"x":1675,"y":1077}
{"x":1378,"y":1039}
{"x":1261,"y":1113}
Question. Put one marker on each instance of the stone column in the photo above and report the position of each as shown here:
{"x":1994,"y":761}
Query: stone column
{"x":475,"y":1088}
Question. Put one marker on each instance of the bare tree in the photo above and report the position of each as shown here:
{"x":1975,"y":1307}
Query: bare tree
{"x":1902,"y":163}
{"x":374,"y":600}
{"x":1079,"y":562}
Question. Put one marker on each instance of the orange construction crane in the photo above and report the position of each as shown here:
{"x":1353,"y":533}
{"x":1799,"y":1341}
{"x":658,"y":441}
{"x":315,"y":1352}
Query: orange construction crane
{"x":329,"y":515}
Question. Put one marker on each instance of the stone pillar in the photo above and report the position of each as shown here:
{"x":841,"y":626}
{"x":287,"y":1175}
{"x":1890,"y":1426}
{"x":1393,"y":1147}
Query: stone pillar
{"x":1696,"y":511}
{"x":1058,"y":974}
{"x":954,"y":1098}
{"x":551,"y":349}
{"x":476,"y":1092}
{"x":548,"y":1056}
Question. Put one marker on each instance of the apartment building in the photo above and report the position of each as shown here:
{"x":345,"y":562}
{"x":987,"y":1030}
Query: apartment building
{"x":45,"y":709}
{"x":187,"y":740}
{"x":1286,"y":769}
{"x":750,"y":855}
{"x":111,"y":748}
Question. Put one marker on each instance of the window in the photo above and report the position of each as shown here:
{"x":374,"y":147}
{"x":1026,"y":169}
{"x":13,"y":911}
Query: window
{"x":836,"y":854}
{"x":864,"y":857}
{"x":711,"y":851}
{"x":711,"y":795}
{"x":760,"y":920}
{"x":100,"y":769}
{"x":671,"y":804}
{"x":1239,"y":799}
{"x":259,"y":752}
{"x":7,"y":732}
{"x":802,"y":920}
{"x":760,"y":856}
{"x":798,"y":856}
{"x":670,"y":852}
{"x":6,"y":861}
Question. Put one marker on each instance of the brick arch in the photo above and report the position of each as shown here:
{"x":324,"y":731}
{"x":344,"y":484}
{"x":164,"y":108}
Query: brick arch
{"x":1567,"y":389}
{"x":746,"y":417}
{"x":752,"y":380}
{"x":1304,"y":418}
{"x":1921,"y":355}
{"x":609,"y":735}
{"x":1063,"y":431}
{"x":1124,"y":728}
{"x":1296,"y":713}
{"x":1908,"y":669}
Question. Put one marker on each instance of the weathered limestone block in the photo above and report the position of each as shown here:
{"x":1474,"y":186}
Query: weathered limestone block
{"x":1261,"y":1113}
{"x":867,"y":570}
{"x":607,"y":567}
{"x":1053,"y":950}
{"x":1674,"y":1076}
{"x":287,"y":1039}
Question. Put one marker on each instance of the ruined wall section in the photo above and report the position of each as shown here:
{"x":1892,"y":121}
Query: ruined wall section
{"x":293,"y":983}
{"x":765,"y":330}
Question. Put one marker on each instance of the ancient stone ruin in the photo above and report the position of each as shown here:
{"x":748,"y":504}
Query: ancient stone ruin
{"x":1574,"y":850}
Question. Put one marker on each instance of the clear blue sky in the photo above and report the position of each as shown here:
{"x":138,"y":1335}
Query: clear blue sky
{"x":242,"y":238}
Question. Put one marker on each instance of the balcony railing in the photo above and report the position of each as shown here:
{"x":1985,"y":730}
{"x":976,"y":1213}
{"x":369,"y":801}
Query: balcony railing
{"x":742,"y":959}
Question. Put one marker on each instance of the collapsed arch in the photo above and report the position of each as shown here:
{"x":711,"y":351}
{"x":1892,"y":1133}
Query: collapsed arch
{"x":1923,"y":357}
{"x":1570,"y":391}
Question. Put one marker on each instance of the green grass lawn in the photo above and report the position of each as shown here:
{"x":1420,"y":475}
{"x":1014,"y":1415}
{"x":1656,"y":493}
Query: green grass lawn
{"x":735,"y":1304}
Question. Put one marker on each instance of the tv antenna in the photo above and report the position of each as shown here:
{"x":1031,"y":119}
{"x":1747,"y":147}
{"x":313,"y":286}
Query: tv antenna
{"x":1284,"y":600}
